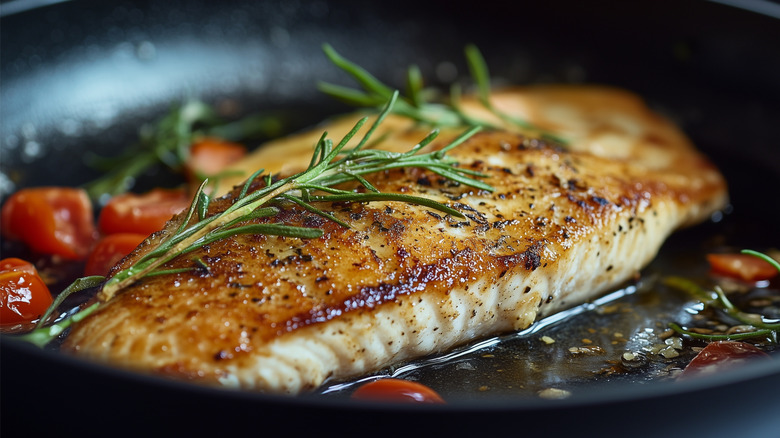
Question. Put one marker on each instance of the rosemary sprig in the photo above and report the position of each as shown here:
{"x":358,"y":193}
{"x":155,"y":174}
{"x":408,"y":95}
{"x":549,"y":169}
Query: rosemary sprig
{"x":717,"y":298}
{"x":764,"y":257}
{"x":415,"y":106}
{"x":330,"y":166}
{"x":167,"y":143}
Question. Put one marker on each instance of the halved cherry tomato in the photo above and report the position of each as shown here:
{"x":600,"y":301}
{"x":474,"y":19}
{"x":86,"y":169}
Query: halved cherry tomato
{"x":719,"y":355}
{"x":209,"y":156}
{"x":24,"y":297}
{"x":142,"y":213}
{"x":51,"y":220}
{"x":741,"y":266}
{"x":110,"y":250}
{"x":397,"y":390}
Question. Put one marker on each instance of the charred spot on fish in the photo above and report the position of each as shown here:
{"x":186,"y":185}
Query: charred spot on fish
{"x":527,"y":289}
{"x":456,"y":197}
{"x":483,"y":228}
{"x":575,"y":183}
{"x":532,"y":257}
{"x":500,"y":225}
{"x":381,"y":227}
{"x":313,"y":221}
{"x":222,"y":355}
{"x":599,"y":200}
{"x":475,"y":218}
{"x":424,"y":181}
{"x":466,"y":207}
{"x":578,"y":202}
{"x":356,"y":216}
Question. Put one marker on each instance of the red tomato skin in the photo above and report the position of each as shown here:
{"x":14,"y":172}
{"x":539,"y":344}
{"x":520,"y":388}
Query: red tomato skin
{"x":16,"y":264}
{"x":719,"y":355}
{"x":741,"y":266}
{"x":51,"y":220}
{"x":24,"y":297}
{"x":209,"y":156}
{"x":398,"y":391}
{"x":143,"y":213}
{"x":109,"y":251}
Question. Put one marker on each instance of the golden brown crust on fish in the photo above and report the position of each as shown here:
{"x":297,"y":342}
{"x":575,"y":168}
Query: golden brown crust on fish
{"x":563,"y":225}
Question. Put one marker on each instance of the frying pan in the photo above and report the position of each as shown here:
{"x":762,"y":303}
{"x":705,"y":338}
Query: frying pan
{"x":83,"y":75}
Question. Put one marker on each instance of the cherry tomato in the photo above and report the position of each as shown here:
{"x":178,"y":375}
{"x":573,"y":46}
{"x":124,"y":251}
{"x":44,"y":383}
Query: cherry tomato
{"x":51,"y":220}
{"x":722,"y":354}
{"x":741,"y":266}
{"x":24,"y":297}
{"x":210,"y":156}
{"x":397,"y":390}
{"x":142,"y":213}
{"x":110,"y":250}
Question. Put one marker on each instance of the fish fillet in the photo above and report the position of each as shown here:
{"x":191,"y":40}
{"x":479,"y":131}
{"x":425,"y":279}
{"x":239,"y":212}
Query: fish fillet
{"x":564,"y":224}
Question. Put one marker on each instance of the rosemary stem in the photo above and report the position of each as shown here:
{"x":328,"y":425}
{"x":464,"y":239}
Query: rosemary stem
{"x":114,"y":284}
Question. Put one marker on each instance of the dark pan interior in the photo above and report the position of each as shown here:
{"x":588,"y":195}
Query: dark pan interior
{"x":83,"y":75}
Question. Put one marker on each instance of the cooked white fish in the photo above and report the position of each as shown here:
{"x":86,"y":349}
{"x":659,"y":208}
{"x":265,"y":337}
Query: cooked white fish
{"x":563,"y":225}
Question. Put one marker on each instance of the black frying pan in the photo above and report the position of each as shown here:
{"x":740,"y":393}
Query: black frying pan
{"x":83,"y":75}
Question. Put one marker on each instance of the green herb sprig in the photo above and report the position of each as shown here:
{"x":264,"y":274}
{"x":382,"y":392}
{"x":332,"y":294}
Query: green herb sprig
{"x":717,"y":298}
{"x":416,"y":106}
{"x":167,"y":143}
{"x":330,"y":166}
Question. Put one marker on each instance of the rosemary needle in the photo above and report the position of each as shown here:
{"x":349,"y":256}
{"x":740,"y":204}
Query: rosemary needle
{"x":167,"y":143}
{"x":330,"y":165}
{"x":374,"y":93}
{"x":718,"y":299}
